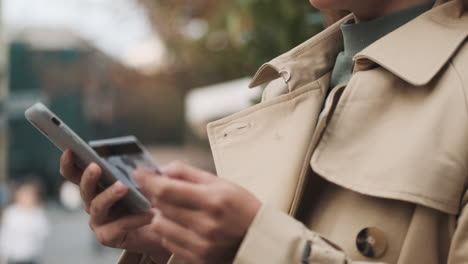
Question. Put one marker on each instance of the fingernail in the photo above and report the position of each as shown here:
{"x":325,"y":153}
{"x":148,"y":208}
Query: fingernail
{"x":119,"y":188}
{"x":67,"y":156}
{"x":165,"y":171}
{"x":136,"y":175}
{"x":157,"y":215}
{"x":94,"y":168}
{"x":150,"y":215}
{"x":156,"y":212}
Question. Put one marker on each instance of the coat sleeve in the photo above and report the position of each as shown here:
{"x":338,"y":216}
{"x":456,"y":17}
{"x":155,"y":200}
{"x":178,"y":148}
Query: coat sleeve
{"x":458,"y":252}
{"x":273,"y":238}
{"x":138,"y":258}
{"x":276,"y":238}
{"x":128,"y":257}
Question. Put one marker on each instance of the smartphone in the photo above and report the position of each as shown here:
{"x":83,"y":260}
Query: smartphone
{"x":65,"y":138}
{"x":126,"y":154}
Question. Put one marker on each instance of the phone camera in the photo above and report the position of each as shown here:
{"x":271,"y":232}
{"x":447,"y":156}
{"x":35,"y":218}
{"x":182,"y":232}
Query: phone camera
{"x":55,"y":121}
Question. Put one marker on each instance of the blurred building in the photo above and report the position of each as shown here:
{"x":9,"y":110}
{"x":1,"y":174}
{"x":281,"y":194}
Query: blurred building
{"x":94,"y":94}
{"x":3,"y":98}
{"x":51,"y":66}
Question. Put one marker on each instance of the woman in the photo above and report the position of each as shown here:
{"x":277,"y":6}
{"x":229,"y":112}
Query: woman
{"x":24,"y":227}
{"x":358,"y":152}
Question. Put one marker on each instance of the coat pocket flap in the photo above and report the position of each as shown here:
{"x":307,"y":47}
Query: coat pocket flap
{"x":392,"y":140}
{"x":424,"y":187}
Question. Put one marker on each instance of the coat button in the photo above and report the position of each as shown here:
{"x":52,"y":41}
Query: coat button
{"x":371,"y":242}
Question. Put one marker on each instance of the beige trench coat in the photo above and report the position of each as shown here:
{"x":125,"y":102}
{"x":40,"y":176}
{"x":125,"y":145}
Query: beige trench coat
{"x":387,"y":153}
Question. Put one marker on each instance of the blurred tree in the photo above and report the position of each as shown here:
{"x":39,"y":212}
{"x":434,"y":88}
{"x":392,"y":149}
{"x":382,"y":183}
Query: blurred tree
{"x":212,"y":41}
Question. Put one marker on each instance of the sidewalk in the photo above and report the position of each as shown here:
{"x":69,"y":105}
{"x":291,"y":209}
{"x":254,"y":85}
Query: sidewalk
{"x":72,"y":242}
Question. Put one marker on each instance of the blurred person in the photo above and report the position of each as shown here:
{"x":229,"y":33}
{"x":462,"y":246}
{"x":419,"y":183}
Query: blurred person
{"x":357,"y":153}
{"x":70,"y":197}
{"x":24,"y":227}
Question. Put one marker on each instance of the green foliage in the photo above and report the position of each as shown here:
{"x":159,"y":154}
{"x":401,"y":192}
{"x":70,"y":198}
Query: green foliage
{"x":259,"y":30}
{"x":277,"y":26}
{"x":240,"y":35}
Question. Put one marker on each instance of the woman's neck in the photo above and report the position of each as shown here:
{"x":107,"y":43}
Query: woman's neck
{"x":371,"y":9}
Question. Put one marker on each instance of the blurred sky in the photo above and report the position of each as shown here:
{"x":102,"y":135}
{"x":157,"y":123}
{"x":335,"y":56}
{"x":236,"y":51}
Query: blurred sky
{"x":118,"y":27}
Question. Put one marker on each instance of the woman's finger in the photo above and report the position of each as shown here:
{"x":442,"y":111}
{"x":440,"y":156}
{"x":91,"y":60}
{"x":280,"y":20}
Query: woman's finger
{"x":101,"y":204}
{"x":114,"y":234}
{"x":179,"y":193}
{"x":89,"y":184}
{"x":177,"y":235}
{"x":181,"y":252}
{"x":187,"y":218}
{"x":182,"y":171}
{"x":68,"y":169}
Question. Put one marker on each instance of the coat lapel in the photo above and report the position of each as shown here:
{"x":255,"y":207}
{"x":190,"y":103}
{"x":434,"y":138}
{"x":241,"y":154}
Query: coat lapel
{"x":266,"y":148}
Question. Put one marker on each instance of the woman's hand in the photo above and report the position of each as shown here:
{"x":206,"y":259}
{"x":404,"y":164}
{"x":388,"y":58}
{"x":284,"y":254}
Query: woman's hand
{"x":203,"y":218}
{"x":113,"y":227}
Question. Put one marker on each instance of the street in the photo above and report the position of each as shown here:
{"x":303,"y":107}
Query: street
{"x":72,"y":242}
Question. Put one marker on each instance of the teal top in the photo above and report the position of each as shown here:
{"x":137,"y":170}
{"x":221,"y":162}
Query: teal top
{"x":356,"y":37}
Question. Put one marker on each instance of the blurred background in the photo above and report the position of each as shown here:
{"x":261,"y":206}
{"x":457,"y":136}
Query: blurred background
{"x":159,"y":70}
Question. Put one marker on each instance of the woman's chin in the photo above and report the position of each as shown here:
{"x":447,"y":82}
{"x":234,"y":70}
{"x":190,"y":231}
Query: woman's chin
{"x":328,"y":4}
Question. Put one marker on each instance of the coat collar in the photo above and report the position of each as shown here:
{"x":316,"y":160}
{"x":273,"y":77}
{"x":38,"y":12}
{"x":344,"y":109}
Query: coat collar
{"x":306,"y":62}
{"x":429,"y":40}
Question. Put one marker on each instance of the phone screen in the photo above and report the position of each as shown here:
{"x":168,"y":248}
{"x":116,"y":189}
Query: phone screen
{"x":126,"y":157}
